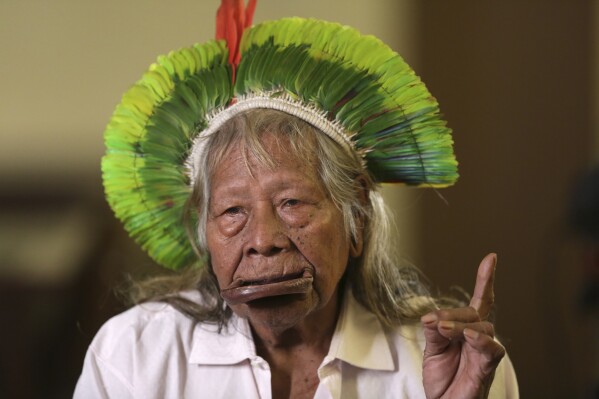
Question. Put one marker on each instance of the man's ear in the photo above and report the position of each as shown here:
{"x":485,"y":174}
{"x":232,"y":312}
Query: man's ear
{"x":362,"y":187}
{"x":356,"y":244}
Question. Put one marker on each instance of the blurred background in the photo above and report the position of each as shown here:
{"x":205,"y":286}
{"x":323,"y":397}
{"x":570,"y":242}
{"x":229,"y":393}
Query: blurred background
{"x":517,"y":81}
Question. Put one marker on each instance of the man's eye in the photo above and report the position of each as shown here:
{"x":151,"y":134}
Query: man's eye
{"x":234,"y":210}
{"x":291,"y":202}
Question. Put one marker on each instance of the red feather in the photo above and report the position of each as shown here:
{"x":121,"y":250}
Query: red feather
{"x":232,"y":18}
{"x":249,"y":13}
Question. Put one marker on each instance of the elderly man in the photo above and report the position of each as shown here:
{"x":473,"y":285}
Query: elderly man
{"x":296,"y":293}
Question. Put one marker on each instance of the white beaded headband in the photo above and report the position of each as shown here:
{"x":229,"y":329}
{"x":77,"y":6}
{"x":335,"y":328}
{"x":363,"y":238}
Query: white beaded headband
{"x":268,"y":100}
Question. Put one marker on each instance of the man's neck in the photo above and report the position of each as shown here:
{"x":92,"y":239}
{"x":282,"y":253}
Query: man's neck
{"x":314,"y":331}
{"x":294,"y":354}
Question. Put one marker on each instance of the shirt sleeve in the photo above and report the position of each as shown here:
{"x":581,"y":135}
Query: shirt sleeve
{"x":505,"y":384}
{"x":99,"y":380}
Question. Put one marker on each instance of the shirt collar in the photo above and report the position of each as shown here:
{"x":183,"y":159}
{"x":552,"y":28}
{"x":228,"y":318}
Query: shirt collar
{"x":359,"y":339}
{"x":232,"y":345}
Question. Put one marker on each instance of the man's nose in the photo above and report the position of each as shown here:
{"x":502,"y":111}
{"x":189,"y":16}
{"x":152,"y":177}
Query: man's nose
{"x":265,"y":232}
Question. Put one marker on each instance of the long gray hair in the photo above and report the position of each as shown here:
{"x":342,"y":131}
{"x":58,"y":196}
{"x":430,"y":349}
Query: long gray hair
{"x":395,"y":294}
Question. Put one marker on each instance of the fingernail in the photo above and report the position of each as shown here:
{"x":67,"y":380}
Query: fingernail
{"x":472,"y":334}
{"x":447,"y":325}
{"x":429,"y":318}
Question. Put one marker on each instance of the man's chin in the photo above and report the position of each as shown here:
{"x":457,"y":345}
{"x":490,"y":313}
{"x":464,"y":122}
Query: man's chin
{"x":277,"y":301}
{"x":276,"y":313}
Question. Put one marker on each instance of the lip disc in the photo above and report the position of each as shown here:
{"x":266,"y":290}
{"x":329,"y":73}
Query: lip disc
{"x":247,"y":293}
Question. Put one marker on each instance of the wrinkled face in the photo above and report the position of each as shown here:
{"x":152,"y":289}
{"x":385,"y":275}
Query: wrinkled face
{"x":276,"y":240}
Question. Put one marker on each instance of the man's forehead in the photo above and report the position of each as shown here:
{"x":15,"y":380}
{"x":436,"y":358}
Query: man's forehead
{"x":287,"y":173}
{"x":271,"y":151}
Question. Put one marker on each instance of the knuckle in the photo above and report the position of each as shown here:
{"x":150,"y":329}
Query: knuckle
{"x":488,"y":300}
{"x":473,"y":313}
{"x":444,"y":314}
{"x":498,"y":353}
{"x":488,"y":328}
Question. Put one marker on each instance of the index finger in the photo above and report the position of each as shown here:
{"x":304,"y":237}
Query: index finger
{"x":484,"y":296}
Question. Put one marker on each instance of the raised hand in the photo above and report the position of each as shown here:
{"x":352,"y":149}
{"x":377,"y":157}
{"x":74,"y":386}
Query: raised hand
{"x":461,"y":354}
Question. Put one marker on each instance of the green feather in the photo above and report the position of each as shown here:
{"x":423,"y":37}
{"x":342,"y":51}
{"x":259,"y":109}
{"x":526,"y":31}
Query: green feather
{"x":355,"y":78}
{"x":147,"y":140}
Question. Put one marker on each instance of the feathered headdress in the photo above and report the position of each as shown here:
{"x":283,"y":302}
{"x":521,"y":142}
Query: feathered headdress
{"x":352,"y":87}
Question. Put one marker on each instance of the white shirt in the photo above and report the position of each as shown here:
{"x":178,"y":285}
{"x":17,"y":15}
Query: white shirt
{"x":154,"y":351}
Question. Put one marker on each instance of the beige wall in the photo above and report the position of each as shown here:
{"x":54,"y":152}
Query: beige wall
{"x":65,"y":64}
